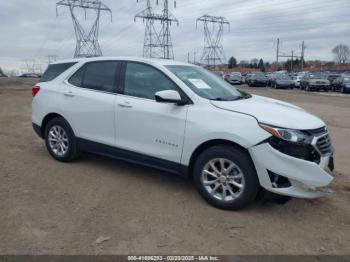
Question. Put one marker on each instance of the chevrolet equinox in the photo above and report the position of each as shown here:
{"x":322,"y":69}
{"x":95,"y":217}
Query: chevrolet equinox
{"x":185,"y":120}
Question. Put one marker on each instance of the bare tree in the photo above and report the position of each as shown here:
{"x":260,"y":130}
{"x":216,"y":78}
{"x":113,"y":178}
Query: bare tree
{"x":341,"y":53}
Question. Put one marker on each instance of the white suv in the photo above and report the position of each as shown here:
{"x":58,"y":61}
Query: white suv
{"x":183,"y":119}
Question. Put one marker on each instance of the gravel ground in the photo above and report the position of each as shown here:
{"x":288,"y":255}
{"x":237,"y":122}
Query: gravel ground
{"x":102,"y":206}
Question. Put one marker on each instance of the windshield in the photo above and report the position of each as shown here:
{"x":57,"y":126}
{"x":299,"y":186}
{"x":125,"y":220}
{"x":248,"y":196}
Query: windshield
{"x":206,"y":84}
{"x":235,"y":76}
{"x":317,"y":76}
{"x":259,"y":76}
{"x":346,"y":80}
{"x":283,"y":77}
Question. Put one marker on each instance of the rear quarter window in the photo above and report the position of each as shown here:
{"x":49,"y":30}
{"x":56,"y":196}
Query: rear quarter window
{"x":54,"y":71}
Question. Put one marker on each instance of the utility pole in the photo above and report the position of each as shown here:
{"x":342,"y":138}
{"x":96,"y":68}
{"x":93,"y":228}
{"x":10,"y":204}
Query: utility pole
{"x":278,"y":55}
{"x":302,"y":55}
{"x":38,"y":69}
{"x":291,"y":62}
{"x":213,"y":53}
{"x":278,"y":51}
{"x":188,"y":57}
{"x":30,"y":66}
{"x":87,"y":41}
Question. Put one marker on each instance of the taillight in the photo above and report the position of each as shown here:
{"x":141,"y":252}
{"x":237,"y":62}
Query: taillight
{"x":35,"y":90}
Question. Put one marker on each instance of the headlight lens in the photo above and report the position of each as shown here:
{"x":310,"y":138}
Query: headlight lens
{"x":290,"y":135}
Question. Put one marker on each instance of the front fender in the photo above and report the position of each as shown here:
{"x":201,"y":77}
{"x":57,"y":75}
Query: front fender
{"x":219,"y":124}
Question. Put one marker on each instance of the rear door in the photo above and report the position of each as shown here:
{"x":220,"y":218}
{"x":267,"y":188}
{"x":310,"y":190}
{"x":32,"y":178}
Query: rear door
{"x":89,"y":97}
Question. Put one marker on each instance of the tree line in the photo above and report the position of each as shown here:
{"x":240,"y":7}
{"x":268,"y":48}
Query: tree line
{"x":340,"y":52}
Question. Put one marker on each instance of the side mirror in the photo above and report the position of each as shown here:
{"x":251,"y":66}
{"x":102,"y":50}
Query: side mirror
{"x":169,"y":96}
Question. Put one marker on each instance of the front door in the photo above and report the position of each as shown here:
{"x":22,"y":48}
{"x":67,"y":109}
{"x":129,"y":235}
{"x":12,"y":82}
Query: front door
{"x":144,"y":125}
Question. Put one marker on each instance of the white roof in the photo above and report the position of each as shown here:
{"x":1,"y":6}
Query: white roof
{"x":162,"y":62}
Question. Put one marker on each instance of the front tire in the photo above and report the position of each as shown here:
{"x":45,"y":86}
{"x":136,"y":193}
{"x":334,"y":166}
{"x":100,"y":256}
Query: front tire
{"x":226,"y":177}
{"x":60,"y":140}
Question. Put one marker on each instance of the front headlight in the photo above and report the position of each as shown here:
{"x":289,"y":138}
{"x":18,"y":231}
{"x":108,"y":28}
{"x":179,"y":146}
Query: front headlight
{"x":292,"y":142}
{"x":290,"y":135}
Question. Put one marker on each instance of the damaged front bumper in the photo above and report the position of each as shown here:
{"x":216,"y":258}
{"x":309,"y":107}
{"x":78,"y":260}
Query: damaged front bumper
{"x":286,"y":175}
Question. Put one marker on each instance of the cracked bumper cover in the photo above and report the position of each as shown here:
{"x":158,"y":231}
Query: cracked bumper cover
{"x":308,"y":179}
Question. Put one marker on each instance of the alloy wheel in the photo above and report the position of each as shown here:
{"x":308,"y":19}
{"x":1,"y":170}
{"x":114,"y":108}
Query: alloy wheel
{"x":58,"y":140}
{"x":223,"y":179}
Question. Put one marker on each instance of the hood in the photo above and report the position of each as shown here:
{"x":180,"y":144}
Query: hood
{"x":273,"y":112}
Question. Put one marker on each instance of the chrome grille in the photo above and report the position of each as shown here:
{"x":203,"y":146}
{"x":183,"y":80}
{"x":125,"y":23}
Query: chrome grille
{"x":324,"y":144}
{"x":317,"y":132}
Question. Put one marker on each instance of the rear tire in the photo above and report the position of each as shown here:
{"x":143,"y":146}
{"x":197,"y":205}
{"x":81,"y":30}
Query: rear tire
{"x":60,"y":140}
{"x":225,"y":177}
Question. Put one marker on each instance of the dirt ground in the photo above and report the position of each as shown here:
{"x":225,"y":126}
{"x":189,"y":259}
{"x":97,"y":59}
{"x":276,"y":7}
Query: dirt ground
{"x":47,"y":207}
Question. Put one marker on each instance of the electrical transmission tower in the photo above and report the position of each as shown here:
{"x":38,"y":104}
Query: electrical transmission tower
{"x":151,"y":42}
{"x":158,"y":44}
{"x":213,"y":53}
{"x":52,"y":58}
{"x":87,"y":41}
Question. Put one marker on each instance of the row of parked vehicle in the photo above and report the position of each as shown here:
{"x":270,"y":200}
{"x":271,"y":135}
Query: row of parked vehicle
{"x":309,"y":81}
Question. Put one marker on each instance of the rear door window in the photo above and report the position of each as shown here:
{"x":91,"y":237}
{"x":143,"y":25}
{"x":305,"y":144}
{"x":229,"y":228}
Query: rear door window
{"x":99,"y":76}
{"x":54,"y":71}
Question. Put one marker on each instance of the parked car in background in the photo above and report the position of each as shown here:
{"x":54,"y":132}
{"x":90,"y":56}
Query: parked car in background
{"x":30,"y":75}
{"x":282,"y":81}
{"x":219,"y":74}
{"x":234,"y":78}
{"x":257,"y":79}
{"x":246,"y":77}
{"x":331,"y":77}
{"x":296,"y":79}
{"x":269,"y":77}
{"x":315,"y":81}
{"x":341,"y":84}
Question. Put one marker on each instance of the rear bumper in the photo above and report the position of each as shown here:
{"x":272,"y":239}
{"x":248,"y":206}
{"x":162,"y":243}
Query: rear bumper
{"x":319,"y":87}
{"x":285,"y":85}
{"x":37,"y":130}
{"x":235,"y":82}
{"x":258,"y":83}
{"x":307,"y":179}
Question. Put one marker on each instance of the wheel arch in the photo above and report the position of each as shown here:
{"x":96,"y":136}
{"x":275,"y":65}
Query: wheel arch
{"x":46,"y":120}
{"x":208,"y":144}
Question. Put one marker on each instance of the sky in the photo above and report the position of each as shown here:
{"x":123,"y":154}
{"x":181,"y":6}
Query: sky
{"x":31,"y":29}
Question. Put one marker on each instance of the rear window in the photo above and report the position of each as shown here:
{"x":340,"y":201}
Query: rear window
{"x":54,"y":71}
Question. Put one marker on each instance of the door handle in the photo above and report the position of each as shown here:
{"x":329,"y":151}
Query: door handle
{"x":125,"y":105}
{"x":70,"y":94}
